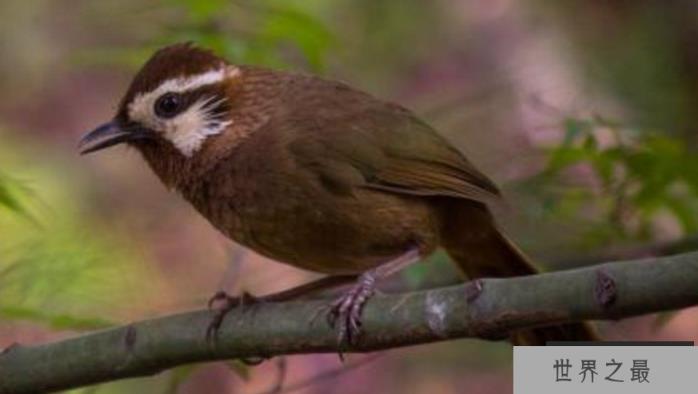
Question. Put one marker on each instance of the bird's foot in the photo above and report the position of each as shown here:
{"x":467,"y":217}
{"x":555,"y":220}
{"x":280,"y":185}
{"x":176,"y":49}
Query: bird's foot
{"x":344,"y":314}
{"x":221,"y":303}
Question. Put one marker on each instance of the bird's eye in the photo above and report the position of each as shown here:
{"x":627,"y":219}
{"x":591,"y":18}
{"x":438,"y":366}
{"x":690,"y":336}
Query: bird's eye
{"x":168,"y":105}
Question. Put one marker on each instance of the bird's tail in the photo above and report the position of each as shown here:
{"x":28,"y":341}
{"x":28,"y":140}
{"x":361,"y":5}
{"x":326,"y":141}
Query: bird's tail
{"x":489,"y":253}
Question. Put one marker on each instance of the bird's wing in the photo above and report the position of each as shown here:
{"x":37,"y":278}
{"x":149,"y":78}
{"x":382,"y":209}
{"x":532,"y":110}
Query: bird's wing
{"x":353,"y":140}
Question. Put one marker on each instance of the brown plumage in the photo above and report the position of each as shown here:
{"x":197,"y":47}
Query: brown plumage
{"x":314,"y":173}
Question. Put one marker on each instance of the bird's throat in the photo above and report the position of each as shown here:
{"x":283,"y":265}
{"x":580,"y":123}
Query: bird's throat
{"x":174,"y":169}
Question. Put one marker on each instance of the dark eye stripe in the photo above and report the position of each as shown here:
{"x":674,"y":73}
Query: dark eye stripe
{"x":214,"y":97}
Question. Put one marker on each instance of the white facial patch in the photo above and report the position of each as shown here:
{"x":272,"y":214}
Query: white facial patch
{"x":189,"y":129}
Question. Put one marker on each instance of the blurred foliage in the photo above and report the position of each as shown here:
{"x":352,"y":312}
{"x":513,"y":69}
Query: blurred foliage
{"x":44,"y":266}
{"x":59,"y":271}
{"x":630,"y":178}
{"x":642,"y":52}
{"x":266,"y":32}
{"x":178,"y":376}
{"x":382,"y":44}
{"x":55,"y":269}
{"x":12,"y":192}
{"x":262,"y":32}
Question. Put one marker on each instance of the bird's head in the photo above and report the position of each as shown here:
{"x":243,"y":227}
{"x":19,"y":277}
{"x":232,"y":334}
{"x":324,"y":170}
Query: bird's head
{"x":184,"y":109}
{"x":178,"y":99}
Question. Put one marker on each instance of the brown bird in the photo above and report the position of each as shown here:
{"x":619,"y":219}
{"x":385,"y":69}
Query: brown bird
{"x":314,"y":173}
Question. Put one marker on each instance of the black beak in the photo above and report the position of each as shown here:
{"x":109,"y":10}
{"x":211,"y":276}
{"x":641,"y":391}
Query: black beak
{"x":106,"y":135}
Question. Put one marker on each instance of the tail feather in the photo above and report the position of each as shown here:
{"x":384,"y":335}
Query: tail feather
{"x":481,"y":250}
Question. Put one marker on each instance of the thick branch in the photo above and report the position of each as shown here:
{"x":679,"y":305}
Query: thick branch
{"x":607,"y":291}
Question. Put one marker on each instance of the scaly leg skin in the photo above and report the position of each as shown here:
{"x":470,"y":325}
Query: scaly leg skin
{"x":229,"y":303}
{"x":347,"y":309}
{"x":344,"y":314}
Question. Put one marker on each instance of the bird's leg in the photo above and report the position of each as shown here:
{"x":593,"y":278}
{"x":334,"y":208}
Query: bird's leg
{"x":246,"y":299}
{"x":345,"y":312}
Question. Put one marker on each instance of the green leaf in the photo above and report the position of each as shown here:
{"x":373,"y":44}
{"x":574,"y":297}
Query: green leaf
{"x":54,"y":321}
{"x":604,"y":165}
{"x":11,"y":193}
{"x":662,"y":319}
{"x":590,"y":143}
{"x":203,"y":10}
{"x":576,"y":127}
{"x":240,"y":369}
{"x":7,"y":199}
{"x":564,"y":157}
{"x":415,"y":275}
{"x":178,"y":376}
{"x":685,"y":211}
{"x":308,"y":34}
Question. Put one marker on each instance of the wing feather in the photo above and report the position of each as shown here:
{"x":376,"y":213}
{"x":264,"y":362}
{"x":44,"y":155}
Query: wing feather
{"x":356,"y":140}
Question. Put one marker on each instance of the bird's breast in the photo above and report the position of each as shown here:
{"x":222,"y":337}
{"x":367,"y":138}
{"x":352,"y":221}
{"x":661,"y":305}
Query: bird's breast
{"x":306,"y":227}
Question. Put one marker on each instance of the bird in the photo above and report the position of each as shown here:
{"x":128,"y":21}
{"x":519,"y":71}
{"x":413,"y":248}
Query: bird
{"x":314,"y":173}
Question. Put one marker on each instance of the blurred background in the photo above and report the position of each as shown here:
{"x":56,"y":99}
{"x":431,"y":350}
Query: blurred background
{"x":584,"y":111}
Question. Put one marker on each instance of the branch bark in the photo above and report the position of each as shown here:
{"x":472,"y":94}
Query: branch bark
{"x":488,"y":308}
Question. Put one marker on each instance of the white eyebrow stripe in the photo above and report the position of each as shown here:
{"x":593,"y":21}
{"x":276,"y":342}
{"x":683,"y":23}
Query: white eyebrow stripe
{"x":192,"y":82}
{"x":185,"y":83}
{"x":141,"y":106}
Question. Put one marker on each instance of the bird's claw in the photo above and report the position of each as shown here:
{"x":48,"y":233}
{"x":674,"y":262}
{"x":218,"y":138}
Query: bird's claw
{"x":228,"y":303}
{"x":219,"y":296}
{"x":344,"y":314}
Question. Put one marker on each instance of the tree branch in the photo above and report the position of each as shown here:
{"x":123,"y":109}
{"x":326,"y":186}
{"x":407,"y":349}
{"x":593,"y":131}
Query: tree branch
{"x":488,"y":308}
